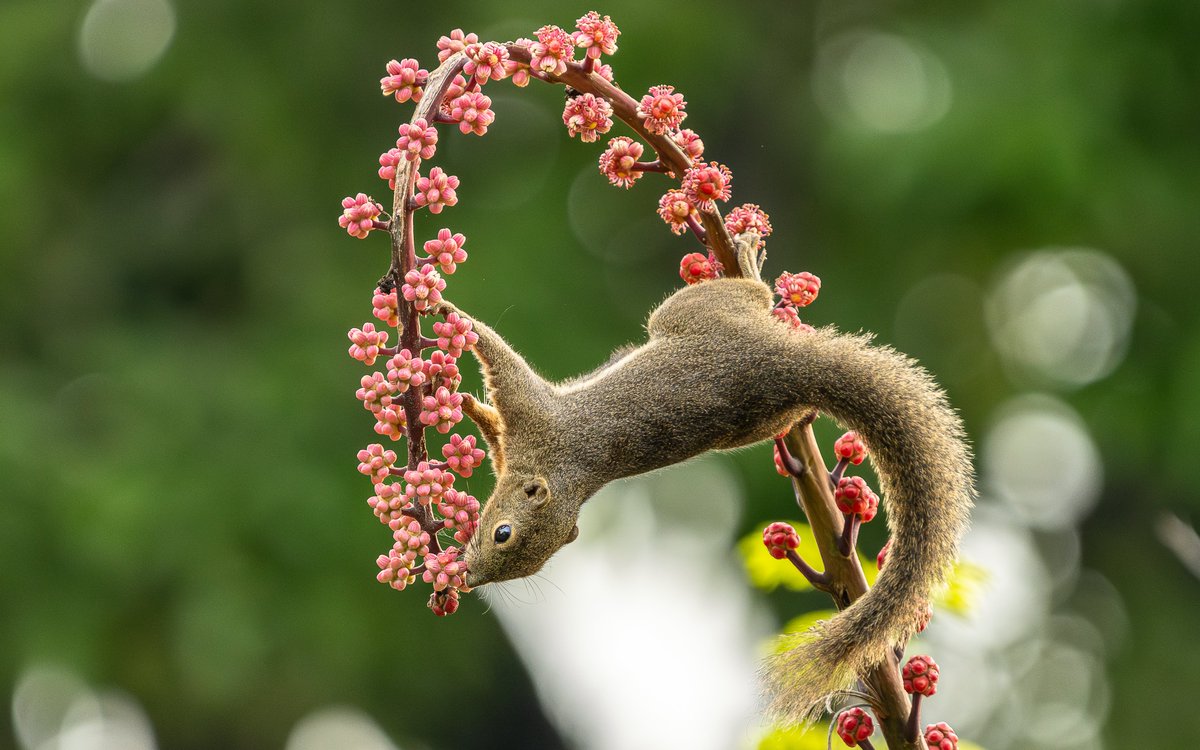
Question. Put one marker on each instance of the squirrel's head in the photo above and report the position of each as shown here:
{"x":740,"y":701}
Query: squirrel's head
{"x":525,"y":521}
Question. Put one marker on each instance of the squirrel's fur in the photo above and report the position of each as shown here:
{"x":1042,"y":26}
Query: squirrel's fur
{"x":718,"y":372}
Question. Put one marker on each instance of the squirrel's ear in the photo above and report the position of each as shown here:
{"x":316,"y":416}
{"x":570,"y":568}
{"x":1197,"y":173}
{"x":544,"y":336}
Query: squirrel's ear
{"x":538,"y":491}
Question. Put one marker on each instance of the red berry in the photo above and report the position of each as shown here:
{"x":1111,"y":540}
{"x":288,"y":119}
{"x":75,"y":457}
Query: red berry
{"x":854,"y":725}
{"x":881,"y":558}
{"x":920,"y":675}
{"x":854,"y":496}
{"x":697,"y":267}
{"x":780,"y":537}
{"x":850,"y":446}
{"x":941,"y":737}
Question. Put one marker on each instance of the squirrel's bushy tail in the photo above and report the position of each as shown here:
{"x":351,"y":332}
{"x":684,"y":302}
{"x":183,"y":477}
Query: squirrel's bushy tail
{"x":918,"y":448}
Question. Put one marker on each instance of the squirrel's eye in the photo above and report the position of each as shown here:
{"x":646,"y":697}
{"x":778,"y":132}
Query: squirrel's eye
{"x":503,"y":532}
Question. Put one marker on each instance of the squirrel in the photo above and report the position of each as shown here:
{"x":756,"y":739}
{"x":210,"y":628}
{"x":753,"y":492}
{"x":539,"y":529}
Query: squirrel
{"x":719,"y":372}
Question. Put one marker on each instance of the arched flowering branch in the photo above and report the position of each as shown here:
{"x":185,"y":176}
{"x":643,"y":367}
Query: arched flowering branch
{"x":414,"y":392}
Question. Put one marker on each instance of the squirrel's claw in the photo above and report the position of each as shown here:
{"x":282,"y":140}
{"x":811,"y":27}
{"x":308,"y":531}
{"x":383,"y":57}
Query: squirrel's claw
{"x":749,"y":256}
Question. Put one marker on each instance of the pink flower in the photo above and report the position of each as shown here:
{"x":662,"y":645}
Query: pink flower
{"x":358,"y":215}
{"x":436,"y":190}
{"x":388,"y":503}
{"x":747,"y":217}
{"x":375,"y":388}
{"x":473,"y":113}
{"x":390,"y":421}
{"x":442,"y":410}
{"x":455,"y":334}
{"x":404,"y":80}
{"x":388,"y":162}
{"x":618,"y":160}
{"x":798,"y":289}
{"x":394,"y":570}
{"x":441,"y":370}
{"x":707,"y":183}
{"x":384,"y":307}
{"x":456,"y":42}
{"x":690,"y":143}
{"x":552,"y":51}
{"x":425,"y":484}
{"x":462,"y":455}
{"x":423,"y":288}
{"x":587,"y":116}
{"x":461,"y":512}
{"x":375,"y":461}
{"x":791,"y":318}
{"x":604,"y":71}
{"x":596,"y":34}
{"x":675,"y":208}
{"x":486,"y":61}
{"x":697,"y":267}
{"x":662,"y":109}
{"x":518,"y":72}
{"x":405,"y":370}
{"x":444,"y":570}
{"x":410,"y":539}
{"x":418,"y":140}
{"x":365,"y":343}
{"x":447,"y":250}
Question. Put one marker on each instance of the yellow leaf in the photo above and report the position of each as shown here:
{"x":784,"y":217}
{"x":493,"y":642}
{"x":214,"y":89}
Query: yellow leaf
{"x":795,"y":738}
{"x":962,"y":586}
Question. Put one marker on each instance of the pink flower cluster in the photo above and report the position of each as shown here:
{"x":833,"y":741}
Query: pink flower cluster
{"x":619,"y":161}
{"x":447,"y":250}
{"x":587,"y":116}
{"x":661,"y":110}
{"x":455,"y":335}
{"x":359,"y":215}
{"x":404,"y":80}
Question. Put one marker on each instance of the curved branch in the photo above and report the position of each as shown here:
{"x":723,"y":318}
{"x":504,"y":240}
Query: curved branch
{"x":719,"y":241}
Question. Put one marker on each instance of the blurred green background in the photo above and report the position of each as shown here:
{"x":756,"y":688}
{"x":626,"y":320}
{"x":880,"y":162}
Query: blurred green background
{"x":1009,"y":191}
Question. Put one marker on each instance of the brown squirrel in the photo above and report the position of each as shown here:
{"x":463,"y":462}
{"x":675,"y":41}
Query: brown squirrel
{"x":719,"y":372}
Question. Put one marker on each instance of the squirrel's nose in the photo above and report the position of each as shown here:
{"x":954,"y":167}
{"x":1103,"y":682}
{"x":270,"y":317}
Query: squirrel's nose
{"x":474,"y":579}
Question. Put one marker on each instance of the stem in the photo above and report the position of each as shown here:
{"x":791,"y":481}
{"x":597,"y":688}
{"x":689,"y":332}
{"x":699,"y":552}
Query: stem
{"x":849,"y":538}
{"x":650,"y":166}
{"x":404,"y":259}
{"x":818,"y":580}
{"x":838,"y":470}
{"x":793,"y":466}
{"x":913,"y":727}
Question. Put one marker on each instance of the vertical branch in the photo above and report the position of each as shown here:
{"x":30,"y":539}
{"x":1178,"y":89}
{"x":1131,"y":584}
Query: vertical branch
{"x":846,"y":581}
